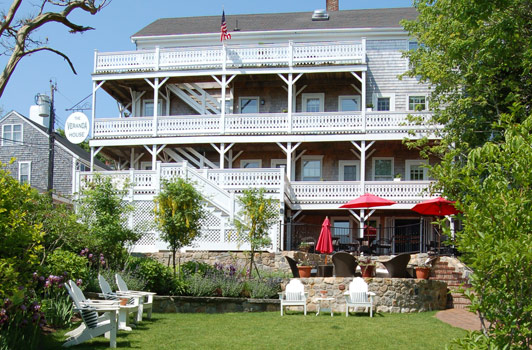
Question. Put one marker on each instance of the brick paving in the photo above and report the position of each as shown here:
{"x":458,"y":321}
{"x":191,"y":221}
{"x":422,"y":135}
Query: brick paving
{"x":460,"y":318}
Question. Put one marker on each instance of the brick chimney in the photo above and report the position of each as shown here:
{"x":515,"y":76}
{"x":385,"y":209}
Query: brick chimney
{"x":332,"y":5}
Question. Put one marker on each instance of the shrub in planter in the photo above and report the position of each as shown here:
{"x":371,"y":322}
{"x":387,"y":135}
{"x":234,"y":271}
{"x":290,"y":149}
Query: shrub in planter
{"x":263,"y":289}
{"x":199,"y":285}
{"x":191,"y":267}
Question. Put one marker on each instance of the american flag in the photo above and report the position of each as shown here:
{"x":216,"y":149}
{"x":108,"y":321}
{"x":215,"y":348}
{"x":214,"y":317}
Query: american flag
{"x":225,"y":35}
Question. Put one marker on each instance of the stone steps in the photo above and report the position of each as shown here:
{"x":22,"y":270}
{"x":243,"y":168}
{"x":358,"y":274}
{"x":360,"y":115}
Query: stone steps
{"x":441,"y":271}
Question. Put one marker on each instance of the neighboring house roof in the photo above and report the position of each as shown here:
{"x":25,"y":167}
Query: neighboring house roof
{"x":73,"y":148}
{"x":376,"y":18}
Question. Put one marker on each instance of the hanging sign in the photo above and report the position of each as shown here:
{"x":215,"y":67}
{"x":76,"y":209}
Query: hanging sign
{"x":77,"y":127}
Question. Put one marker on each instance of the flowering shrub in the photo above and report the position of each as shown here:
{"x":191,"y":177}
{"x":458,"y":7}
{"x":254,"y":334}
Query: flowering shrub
{"x":21,"y":320}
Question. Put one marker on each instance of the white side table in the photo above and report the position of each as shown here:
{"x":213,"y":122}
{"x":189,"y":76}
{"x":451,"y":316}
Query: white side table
{"x":321,"y":308}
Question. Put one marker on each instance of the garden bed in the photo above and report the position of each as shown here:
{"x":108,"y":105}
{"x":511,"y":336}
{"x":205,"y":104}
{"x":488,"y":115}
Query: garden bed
{"x":212,"y":305}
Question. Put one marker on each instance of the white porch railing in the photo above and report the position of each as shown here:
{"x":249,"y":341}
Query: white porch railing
{"x":230,"y":56}
{"x":222,"y":186}
{"x":261,"y":124}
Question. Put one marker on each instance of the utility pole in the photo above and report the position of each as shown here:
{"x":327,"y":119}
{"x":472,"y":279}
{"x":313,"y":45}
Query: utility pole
{"x":51,"y":138}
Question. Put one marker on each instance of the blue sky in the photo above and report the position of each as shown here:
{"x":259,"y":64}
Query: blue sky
{"x":113,"y":28}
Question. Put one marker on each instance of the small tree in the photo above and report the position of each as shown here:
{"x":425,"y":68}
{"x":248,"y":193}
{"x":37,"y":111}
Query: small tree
{"x":178,"y":214}
{"x":494,"y":191}
{"x":259,"y":214}
{"x":102,"y":209}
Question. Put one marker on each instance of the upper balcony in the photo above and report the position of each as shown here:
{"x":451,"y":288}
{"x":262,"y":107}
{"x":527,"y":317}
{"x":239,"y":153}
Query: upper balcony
{"x":384,"y":123}
{"x":223,"y":57}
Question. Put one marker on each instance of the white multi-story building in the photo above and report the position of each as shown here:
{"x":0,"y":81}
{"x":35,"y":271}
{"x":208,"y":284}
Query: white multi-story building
{"x":309,"y":106}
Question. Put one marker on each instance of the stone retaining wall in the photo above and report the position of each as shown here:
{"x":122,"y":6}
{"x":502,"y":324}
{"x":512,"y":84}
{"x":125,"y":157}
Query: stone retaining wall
{"x":212,"y":305}
{"x":394,"y":295}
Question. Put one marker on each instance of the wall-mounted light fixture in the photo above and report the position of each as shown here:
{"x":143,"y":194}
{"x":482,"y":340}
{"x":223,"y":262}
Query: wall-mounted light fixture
{"x":262,"y":102}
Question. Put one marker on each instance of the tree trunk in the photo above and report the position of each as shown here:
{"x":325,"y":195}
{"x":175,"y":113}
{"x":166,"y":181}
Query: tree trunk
{"x":173,"y":259}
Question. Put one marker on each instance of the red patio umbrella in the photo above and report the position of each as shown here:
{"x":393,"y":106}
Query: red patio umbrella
{"x":324,"y":244}
{"x":367,"y":200}
{"x":436,"y":206}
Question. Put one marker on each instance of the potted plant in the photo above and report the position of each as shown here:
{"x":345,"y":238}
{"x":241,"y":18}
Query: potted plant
{"x":304,"y":247}
{"x":369,"y":107}
{"x":398,"y":177}
{"x":423,"y":271}
{"x":304,"y":268}
{"x":367,"y":266}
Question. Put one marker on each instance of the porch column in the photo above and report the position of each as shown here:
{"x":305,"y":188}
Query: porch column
{"x":363,"y":163}
{"x":222,"y":116}
{"x":363,"y":102}
{"x":288,"y":150}
{"x":290,"y":81}
{"x":92,"y":157}
{"x":155,"y":108}
{"x":154,"y":157}
{"x":222,"y":150}
{"x":132,"y":159}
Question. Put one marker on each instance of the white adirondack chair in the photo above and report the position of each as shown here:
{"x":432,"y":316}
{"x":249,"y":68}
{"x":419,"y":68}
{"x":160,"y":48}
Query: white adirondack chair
{"x":358,"y":296}
{"x":294,"y":295}
{"x":131,"y":306}
{"x":93,"y":325}
{"x":146,"y":298}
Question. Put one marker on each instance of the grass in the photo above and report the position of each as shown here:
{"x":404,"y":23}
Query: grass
{"x":269,"y":330}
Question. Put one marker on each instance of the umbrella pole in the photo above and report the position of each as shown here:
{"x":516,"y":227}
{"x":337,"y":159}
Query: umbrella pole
{"x":326,"y":255}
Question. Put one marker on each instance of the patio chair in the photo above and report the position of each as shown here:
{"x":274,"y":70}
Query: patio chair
{"x":358,"y":296}
{"x":146,"y":300}
{"x":93,"y":325}
{"x":345,"y":265}
{"x":293,"y":266}
{"x":396,"y":266}
{"x":132,"y":305}
{"x":294,"y":295}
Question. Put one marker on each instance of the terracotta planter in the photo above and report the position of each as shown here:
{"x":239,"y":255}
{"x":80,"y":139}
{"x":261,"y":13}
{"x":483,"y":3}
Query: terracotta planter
{"x":123,"y":301}
{"x":422,"y":273}
{"x":304,"y":271}
{"x":368,"y":270}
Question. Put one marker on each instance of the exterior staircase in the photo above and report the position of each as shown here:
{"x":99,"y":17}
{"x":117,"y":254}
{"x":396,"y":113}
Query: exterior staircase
{"x":444,"y":272}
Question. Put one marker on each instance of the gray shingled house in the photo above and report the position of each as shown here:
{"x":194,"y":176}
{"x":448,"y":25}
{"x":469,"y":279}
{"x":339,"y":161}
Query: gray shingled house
{"x":27,"y":142}
{"x":308,"y":105}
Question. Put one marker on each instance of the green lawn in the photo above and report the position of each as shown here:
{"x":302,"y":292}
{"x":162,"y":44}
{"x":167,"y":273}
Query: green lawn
{"x":271,"y":331}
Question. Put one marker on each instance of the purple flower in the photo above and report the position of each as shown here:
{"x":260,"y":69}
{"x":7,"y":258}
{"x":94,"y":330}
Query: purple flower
{"x":36,"y":307}
{"x":23,"y":307}
{"x":102,"y":262}
{"x":78,"y":282}
{"x":36,"y":316}
{"x":35,"y":276}
{"x":24,"y":323}
{"x":101,"y":255}
{"x":90,"y":256}
{"x":2,"y":312}
{"x":20,"y":287}
{"x":41,"y":278}
{"x":47,"y":284}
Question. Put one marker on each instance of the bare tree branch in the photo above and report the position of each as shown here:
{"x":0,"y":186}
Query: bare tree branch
{"x":16,"y":34}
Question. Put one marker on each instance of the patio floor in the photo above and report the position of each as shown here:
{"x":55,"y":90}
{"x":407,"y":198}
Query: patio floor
{"x":460,"y":318}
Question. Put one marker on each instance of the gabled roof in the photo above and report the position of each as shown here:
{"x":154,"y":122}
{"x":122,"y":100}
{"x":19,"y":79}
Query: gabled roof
{"x":73,"y":148}
{"x":376,"y":18}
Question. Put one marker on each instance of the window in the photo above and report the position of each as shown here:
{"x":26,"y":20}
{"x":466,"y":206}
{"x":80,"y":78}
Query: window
{"x":413,"y":45}
{"x":250,"y":163}
{"x":349,"y":103}
{"x":382,"y":169}
{"x":313,"y":102}
{"x":11,"y":134}
{"x":383,"y":104}
{"x":24,"y":172}
{"x":348,"y":170}
{"x":249,"y":104}
{"x":146,"y":166}
{"x":311,"y":168}
{"x":416,"y":170}
{"x":82,"y":167}
{"x":417,"y":103}
{"x":148,"y":108}
{"x":342,"y":230}
{"x":277,"y":163}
